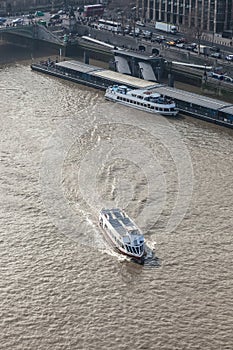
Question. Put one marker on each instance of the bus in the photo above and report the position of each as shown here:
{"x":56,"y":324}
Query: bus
{"x":109,"y":25}
{"x":93,"y":10}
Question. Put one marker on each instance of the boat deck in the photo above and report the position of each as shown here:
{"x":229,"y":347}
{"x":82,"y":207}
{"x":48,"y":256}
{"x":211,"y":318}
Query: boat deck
{"x":121,"y":223}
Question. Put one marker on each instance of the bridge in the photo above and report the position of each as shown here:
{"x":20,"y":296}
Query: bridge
{"x":31,"y":31}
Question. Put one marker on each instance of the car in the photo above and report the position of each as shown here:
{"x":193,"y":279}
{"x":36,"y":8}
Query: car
{"x":159,"y":39}
{"x":140,"y":24}
{"x":228,"y":79}
{"x":146,"y":34}
{"x":229,"y":57}
{"x":180,"y":40}
{"x":215,"y":48}
{"x":41,"y":22}
{"x":216,"y":75}
{"x":55,"y":16}
{"x":180,"y":45}
{"x":3,"y":20}
{"x":189,"y":47}
{"x":194,"y":45}
{"x":171,"y":43}
{"x":39,"y":14}
{"x":61,"y":12}
{"x":30,"y":16}
{"x":216,"y":55}
{"x":17,"y":21}
{"x":135,"y":32}
{"x":127,"y":30}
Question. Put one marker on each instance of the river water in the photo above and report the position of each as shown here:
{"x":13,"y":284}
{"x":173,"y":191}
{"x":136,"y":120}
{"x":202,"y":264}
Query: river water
{"x":65,"y":154}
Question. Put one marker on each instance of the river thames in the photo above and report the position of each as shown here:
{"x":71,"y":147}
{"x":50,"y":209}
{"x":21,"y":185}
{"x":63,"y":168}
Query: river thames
{"x":66,"y":152}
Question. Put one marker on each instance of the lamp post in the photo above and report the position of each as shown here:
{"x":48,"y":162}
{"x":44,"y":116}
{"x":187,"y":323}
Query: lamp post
{"x":134,"y":19}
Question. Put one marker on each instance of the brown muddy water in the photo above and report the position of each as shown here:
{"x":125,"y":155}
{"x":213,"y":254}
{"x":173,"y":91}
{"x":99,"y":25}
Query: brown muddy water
{"x":65,"y":154}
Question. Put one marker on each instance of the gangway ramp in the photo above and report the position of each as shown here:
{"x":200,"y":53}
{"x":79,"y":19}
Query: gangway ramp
{"x":122,"y":65}
{"x":147,"y":72}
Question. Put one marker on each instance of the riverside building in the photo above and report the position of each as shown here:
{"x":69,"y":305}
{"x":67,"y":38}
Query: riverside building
{"x":214,"y":16}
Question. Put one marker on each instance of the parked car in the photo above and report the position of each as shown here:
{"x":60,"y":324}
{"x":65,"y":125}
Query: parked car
{"x":30,"y":16}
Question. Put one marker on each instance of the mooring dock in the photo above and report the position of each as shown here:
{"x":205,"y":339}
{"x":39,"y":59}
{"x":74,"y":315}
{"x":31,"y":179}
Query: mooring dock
{"x":198,"y":106}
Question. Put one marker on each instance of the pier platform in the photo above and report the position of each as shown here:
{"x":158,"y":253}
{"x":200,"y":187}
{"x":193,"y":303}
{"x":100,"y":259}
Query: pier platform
{"x":198,"y":106}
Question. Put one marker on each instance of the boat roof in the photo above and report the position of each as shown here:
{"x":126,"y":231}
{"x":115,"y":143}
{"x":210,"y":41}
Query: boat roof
{"x":106,"y":74}
{"x":194,"y":98}
{"x":144,"y":92}
{"x":78,"y":66}
{"x":121,"y":222}
{"x":120,"y":78}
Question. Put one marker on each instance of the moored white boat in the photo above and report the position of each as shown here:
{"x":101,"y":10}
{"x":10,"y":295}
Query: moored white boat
{"x":142,"y":99}
{"x":123,"y":233}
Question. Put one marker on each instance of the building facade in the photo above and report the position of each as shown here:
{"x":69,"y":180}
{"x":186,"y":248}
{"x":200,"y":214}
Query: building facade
{"x":14,"y":6}
{"x":207,"y":15}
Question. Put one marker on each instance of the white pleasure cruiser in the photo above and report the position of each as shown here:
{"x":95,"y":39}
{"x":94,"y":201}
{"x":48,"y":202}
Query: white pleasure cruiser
{"x":124,"y":235}
{"x":141,"y":99}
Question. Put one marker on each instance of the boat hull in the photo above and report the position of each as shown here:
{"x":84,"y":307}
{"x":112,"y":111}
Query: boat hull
{"x":139,"y":259}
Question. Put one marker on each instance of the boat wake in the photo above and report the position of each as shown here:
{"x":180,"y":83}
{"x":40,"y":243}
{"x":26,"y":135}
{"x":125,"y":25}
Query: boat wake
{"x":151,"y":260}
